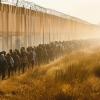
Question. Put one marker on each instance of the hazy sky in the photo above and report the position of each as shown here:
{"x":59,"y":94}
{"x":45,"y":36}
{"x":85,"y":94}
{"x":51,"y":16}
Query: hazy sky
{"x":85,"y":9}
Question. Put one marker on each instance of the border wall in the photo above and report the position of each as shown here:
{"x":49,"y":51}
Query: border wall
{"x":29,"y":24}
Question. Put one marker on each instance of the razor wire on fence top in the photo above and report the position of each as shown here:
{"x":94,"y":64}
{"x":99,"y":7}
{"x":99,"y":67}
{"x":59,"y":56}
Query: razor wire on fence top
{"x":19,"y":3}
{"x":33,"y":6}
{"x":26,"y":4}
{"x":23,"y":3}
{"x":11,"y":2}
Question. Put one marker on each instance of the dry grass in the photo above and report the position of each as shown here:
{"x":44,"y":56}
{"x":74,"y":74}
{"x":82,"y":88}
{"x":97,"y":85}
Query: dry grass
{"x":73,"y":77}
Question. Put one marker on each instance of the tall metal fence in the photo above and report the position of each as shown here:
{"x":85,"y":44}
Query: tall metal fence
{"x":24,"y":23}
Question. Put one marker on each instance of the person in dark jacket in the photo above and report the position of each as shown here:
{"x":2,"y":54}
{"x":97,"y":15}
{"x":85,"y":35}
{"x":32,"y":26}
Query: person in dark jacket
{"x":19,"y":57}
{"x":16,"y":59}
{"x":10,"y":63}
{"x":3,"y":65}
{"x":24,"y":59}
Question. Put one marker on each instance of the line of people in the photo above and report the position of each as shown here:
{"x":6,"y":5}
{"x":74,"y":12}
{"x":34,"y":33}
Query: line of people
{"x":18,"y":61}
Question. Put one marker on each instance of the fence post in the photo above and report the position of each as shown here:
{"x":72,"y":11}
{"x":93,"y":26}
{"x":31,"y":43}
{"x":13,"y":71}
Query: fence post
{"x":17,"y":2}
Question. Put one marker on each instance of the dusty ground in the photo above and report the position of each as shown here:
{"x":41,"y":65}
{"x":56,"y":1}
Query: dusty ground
{"x":73,"y":77}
